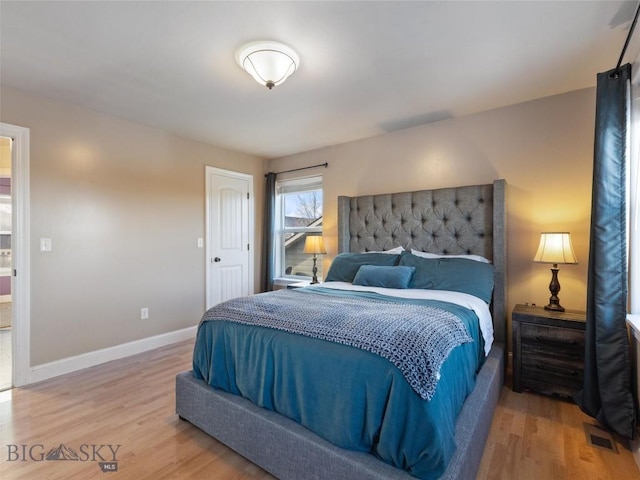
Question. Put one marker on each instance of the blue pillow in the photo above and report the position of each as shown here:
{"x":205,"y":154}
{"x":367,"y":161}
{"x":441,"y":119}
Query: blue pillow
{"x":466,"y":276}
{"x":381,"y":276}
{"x":455,"y":274}
{"x":345,"y":265}
{"x":426,"y":270}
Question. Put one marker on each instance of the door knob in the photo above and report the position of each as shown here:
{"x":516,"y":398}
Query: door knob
{"x":217,"y":259}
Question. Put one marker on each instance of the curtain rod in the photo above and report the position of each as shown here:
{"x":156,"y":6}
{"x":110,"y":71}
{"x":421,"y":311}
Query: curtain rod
{"x":626,"y":43}
{"x":325,"y":165}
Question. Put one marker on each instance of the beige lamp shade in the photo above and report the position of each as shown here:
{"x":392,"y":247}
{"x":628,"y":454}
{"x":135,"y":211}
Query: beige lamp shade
{"x":314,"y":244}
{"x":555,"y":247}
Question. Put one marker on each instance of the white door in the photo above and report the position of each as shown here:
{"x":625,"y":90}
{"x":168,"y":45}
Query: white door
{"x":229,"y":235}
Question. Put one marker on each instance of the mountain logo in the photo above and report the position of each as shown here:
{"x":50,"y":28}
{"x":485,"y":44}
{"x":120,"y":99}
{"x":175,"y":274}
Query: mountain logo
{"x":61,"y":452}
{"x":106,"y":455}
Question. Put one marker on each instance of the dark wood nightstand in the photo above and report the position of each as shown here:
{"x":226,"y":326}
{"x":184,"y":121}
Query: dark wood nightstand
{"x":548,"y":350}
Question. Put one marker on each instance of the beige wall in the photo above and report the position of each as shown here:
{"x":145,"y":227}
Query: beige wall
{"x":544,"y":150}
{"x":123,"y":205}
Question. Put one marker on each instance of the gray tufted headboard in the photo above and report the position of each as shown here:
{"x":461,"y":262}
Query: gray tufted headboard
{"x":458,"y":220}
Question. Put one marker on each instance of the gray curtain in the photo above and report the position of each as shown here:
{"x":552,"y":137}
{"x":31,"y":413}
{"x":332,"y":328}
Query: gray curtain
{"x":607,"y":394}
{"x":268,"y":261}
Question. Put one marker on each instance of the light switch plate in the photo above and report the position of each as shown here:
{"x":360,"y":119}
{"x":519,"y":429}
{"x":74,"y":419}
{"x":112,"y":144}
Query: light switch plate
{"x":45,"y":245}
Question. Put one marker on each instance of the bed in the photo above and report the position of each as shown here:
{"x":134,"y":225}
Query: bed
{"x":467,"y":221}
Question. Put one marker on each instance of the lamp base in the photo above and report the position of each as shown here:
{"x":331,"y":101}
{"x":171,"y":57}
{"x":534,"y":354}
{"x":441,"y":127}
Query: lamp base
{"x":314,"y":270}
{"x":554,"y":288}
{"x":554,"y":307}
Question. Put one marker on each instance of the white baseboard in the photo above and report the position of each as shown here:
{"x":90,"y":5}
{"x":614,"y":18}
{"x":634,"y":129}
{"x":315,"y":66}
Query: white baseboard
{"x":91,"y":359}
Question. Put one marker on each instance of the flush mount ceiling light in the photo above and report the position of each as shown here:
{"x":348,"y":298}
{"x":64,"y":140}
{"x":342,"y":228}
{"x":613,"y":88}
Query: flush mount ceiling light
{"x":270,"y":63}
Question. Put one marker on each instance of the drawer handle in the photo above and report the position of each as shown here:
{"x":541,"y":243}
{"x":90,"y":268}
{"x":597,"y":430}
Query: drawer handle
{"x":540,"y":338}
{"x":544,"y":368}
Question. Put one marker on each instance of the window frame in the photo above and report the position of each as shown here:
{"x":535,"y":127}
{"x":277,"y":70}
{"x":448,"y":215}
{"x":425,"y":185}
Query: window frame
{"x":285,"y":187}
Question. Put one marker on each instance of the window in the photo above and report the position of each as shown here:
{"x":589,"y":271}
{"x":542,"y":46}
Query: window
{"x":299,"y":207}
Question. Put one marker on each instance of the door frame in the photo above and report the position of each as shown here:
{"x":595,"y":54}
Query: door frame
{"x":209,"y":171}
{"x":20,"y":252}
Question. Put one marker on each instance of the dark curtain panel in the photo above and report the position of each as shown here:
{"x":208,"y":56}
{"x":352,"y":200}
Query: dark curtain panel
{"x":268,"y":265}
{"x":606,"y":393}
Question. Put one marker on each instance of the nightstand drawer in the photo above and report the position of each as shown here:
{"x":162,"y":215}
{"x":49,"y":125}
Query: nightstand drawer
{"x":552,"y":335}
{"x":540,"y":367}
{"x":549,"y":386}
{"x":551,"y":376}
{"x":556,"y":341}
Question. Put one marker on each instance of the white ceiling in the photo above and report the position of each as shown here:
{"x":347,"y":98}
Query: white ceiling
{"x":367,"y":68}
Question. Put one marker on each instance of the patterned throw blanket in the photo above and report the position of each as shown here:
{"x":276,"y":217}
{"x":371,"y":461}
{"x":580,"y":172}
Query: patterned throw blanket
{"x":416,"y":338}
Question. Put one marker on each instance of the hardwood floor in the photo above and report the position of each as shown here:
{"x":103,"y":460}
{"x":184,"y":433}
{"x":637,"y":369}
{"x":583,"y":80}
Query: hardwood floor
{"x":536,"y":437}
{"x":127,"y":407}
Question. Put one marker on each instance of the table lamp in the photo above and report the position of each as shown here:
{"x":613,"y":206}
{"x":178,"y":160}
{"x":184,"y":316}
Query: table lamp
{"x":314,"y":244}
{"x":555,"y":248}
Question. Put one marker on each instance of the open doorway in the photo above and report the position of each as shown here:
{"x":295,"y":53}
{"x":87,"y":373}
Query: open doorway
{"x":6,"y":265}
{"x":20,"y":258}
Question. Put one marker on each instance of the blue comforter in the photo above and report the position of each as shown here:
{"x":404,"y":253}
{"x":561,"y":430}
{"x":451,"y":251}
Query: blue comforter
{"x":351,"y":397}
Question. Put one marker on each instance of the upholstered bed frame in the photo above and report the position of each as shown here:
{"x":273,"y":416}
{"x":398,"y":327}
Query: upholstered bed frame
{"x":459,"y":220}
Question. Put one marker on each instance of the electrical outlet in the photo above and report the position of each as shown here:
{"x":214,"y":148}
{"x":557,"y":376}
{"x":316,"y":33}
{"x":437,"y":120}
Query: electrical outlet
{"x":144,"y":313}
